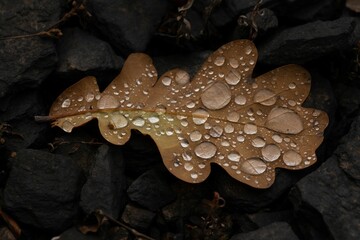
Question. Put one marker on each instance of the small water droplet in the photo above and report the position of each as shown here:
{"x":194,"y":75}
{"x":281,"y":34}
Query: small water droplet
{"x":229,"y":128}
{"x":184,"y":143}
{"x":187,"y":156}
{"x":66,"y":103}
{"x":160,"y":109}
{"x":258,"y":142}
{"x":233,"y":77}
{"x":216,"y":96}
{"x":166,"y":81}
{"x":89,"y":97}
{"x":153,"y":119}
{"x":169,"y":132}
{"x":188,"y":166}
{"x":200,"y":116}
{"x":234,"y":156}
{"x":80,"y":99}
{"x":138,"y":121}
{"x":250,"y":128}
{"x":292,"y":85}
{"x":270,"y":152}
{"x":265,"y":97}
{"x":292,"y":158}
{"x":233,"y":116}
{"x":108,"y":102}
{"x":240,"y":100}
{"x":182,"y":77}
{"x":240,"y":138}
{"x":234,"y":63}
{"x":292,"y":103}
{"x":195,"y":136}
{"x":216,"y":131}
{"x":190,"y":104}
{"x":251,"y":62}
{"x":117,"y":120}
{"x":248,"y":50}
{"x":219,"y":61}
{"x":284,"y":120}
{"x":277,"y":138}
{"x":67,"y":126}
{"x":253,"y":166}
{"x":205,"y":150}
{"x":194,"y":175}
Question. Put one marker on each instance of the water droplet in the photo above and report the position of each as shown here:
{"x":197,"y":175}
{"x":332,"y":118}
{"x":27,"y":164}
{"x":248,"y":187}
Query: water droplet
{"x":253,"y":166}
{"x":160,"y":109}
{"x":190,"y":104}
{"x":166,"y":81}
{"x":277,"y":138}
{"x":292,"y":158}
{"x":240,"y":100}
{"x":108,"y":102}
{"x":258,"y":142}
{"x":205,"y":150}
{"x":216,"y":96}
{"x":219,"y":61}
{"x":117,"y":120}
{"x":80,"y":99}
{"x":153,"y":119}
{"x":216,"y":131}
{"x":233,"y":77}
{"x":240,"y":138}
{"x":200,"y":116}
{"x":234,"y":156}
{"x":67,"y":126}
{"x":169,"y":132}
{"x":284,"y":120}
{"x":66,"y":103}
{"x":265,"y":97}
{"x":188,"y":166}
{"x":250,"y":128}
{"x":182,"y":77}
{"x":195,"y":136}
{"x":292,"y":85}
{"x":229,"y":128}
{"x":270,"y":152}
{"x":251,"y":62}
{"x":233,"y":116}
{"x":292,"y":103}
{"x":138,"y":121}
{"x":187,"y":156}
{"x":184,"y":143}
{"x":194,"y":175}
{"x":234,"y":63}
{"x":248,"y":50}
{"x":89,"y":97}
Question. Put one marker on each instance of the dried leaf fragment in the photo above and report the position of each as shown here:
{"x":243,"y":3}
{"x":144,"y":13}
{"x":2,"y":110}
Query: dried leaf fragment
{"x":224,"y":116}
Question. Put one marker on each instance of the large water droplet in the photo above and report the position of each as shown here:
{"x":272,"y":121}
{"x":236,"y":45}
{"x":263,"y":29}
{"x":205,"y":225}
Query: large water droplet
{"x":258,"y":142}
{"x":234,"y":63}
{"x":138,"y":121}
{"x":89,"y":97}
{"x":166,"y":81}
{"x":265,"y":97}
{"x":233,"y":116}
{"x":187,"y":156}
{"x":182,"y":77}
{"x":108,"y":102}
{"x":253,"y":166}
{"x":195,"y":136}
{"x":219,"y":61}
{"x":292,"y":158}
{"x":250,"y":128}
{"x":240,"y":100}
{"x":216,"y":96}
{"x":205,"y":150}
{"x":216,"y":131}
{"x":234,"y":156}
{"x":270,"y":152}
{"x":284,"y":120}
{"x":200,"y":116}
{"x":153,"y":119}
{"x":67,"y":126}
{"x":117,"y":120}
{"x":66,"y":103}
{"x":233,"y":77}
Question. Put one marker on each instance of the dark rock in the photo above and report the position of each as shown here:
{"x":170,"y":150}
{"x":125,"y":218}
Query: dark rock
{"x":105,"y":187}
{"x":308,"y":42}
{"x":277,"y":230}
{"x":73,"y":233}
{"x":81,"y":51}
{"x":129,"y":26}
{"x":151,"y":190}
{"x":138,"y":218}
{"x":327,"y":199}
{"x":43,"y":189}
{"x":26,"y":62}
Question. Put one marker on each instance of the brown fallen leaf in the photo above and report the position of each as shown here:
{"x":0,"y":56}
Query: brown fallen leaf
{"x":353,"y":5}
{"x":248,"y":126}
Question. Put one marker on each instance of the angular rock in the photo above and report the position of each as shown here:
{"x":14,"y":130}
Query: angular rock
{"x":151,"y":190}
{"x":105,"y":187}
{"x":43,"y":190}
{"x":81,"y":51}
{"x":26,"y":62}
{"x":138,"y":218}
{"x":327,"y":199}
{"x":308,"y":42}
{"x":276,"y":230}
{"x":129,"y":26}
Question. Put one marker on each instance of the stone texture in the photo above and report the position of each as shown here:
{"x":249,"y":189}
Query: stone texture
{"x":333,"y":192}
{"x":81,"y":51}
{"x":43,"y":189}
{"x":137,"y":217}
{"x":277,"y":230}
{"x":105,"y":187}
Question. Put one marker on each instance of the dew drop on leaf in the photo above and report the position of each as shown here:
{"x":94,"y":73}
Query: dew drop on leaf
{"x":292,"y":158}
{"x":233,"y":77}
{"x":216,"y":96}
{"x":270,"y":152}
{"x":265,"y":97}
{"x":66,"y":103}
{"x":200,"y":116}
{"x":284,"y":120}
{"x":138,"y":121}
{"x":253,"y":166}
{"x":205,"y":150}
{"x":108,"y":102}
{"x":250,"y":129}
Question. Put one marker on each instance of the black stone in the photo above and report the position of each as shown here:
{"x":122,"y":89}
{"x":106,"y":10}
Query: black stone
{"x":73,"y":233}
{"x":81,"y":51}
{"x":138,"y":218}
{"x":43,"y":190}
{"x":308,"y":42}
{"x":151,"y":190}
{"x":105,"y":187}
{"x":327,"y":199}
{"x":129,"y":26}
{"x":277,"y":230}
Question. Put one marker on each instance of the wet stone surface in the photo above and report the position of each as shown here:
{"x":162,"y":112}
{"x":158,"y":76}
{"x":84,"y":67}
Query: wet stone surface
{"x":52,"y":180}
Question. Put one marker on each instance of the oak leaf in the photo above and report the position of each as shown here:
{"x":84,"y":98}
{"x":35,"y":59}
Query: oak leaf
{"x":247,"y":126}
